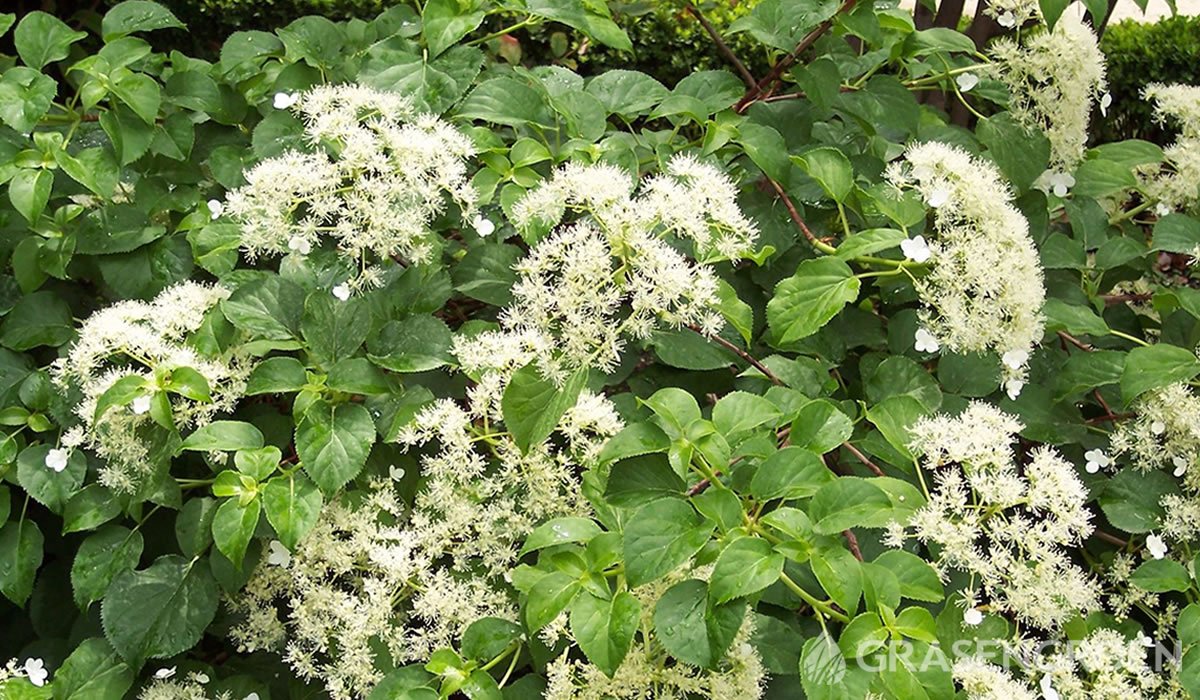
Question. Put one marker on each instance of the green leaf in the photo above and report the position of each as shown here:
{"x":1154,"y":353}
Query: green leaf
{"x":1161,"y":576}
{"x":29,"y":191}
{"x":604,"y":628}
{"x":820,"y":427}
{"x":121,"y":393}
{"x":1155,"y":366}
{"x":433,"y":84}
{"x":224,"y":435}
{"x":533,"y":405}
{"x":91,"y":507}
{"x":103,"y":555}
{"x":918,"y":580}
{"x":1073,"y":318}
{"x":25,"y":97}
{"x":506,"y":101}
{"x":1101,"y":178}
{"x":20,"y":556}
{"x":276,"y":375}
{"x":315,"y":40}
{"x":1176,"y":233}
{"x":1132,"y":499}
{"x":692,"y":628}
{"x":486,"y":273}
{"x":792,"y":472}
{"x":487,"y":637}
{"x":232,"y":527}
{"x":1085,"y":371}
{"x":560,"y":531}
{"x":136,"y":16}
{"x":840,"y":574}
{"x":412,"y":344}
{"x":292,"y":504}
{"x":1052,"y":10}
{"x":160,"y":611}
{"x":862,"y":636}
{"x":189,"y":384}
{"x":831,"y":169}
{"x":48,"y":487}
{"x":1020,"y":153}
{"x":660,"y":537}
{"x":626,"y":93}
{"x":269,"y":308}
{"x":41,"y":38}
{"x":93,"y":671}
{"x":41,"y":318}
{"x":847,"y":502}
{"x":591,"y":18}
{"x":740,"y":411}
{"x":139,"y":92}
{"x":747,"y":565}
{"x":549,"y":596}
{"x":193,"y":525}
{"x":334,"y":329}
{"x":333,"y":442}
{"x":807,"y":300}
{"x":445,"y":22}
{"x":638,"y":480}
{"x":870,"y":241}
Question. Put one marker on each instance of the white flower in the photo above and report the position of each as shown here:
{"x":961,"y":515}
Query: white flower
{"x":1105,"y":103}
{"x":966,"y":81}
{"x":35,"y":670}
{"x":1158,"y":427}
{"x":215,"y":208}
{"x":251,"y":696}
{"x":1156,"y":546}
{"x":916,"y":249}
{"x":925,"y":341}
{"x":283,"y":100}
{"x":1013,"y":388}
{"x":1096,"y":460}
{"x":972,"y":617}
{"x":1181,"y":465}
{"x":1162,"y":209}
{"x":938,"y":196}
{"x":1147,"y":641}
{"x":1060,"y":183}
{"x":397,"y":473}
{"x":140,"y":405}
{"x":1007,"y":20}
{"x":201,"y":677}
{"x":57,"y":458}
{"x":1048,"y":691}
{"x":483,"y":226}
{"x":342,"y":292}
{"x":300,"y":244}
{"x":163,"y":674}
{"x":279,"y":555}
{"x":1015,"y":359}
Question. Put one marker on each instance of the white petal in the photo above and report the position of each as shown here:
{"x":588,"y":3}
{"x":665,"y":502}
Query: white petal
{"x":278,"y":554}
{"x":283,"y":100}
{"x":1158,"y":427}
{"x":938,"y":197}
{"x":300,"y":244}
{"x":966,"y":81}
{"x":483,"y":226}
{"x":1007,"y":20}
{"x":215,"y":208}
{"x":1015,"y":359}
{"x":972,"y":617}
{"x":140,"y":405}
{"x":397,"y":473}
{"x":342,"y":292}
{"x":1013,"y":388}
{"x":164,"y":673}
{"x":57,"y":458}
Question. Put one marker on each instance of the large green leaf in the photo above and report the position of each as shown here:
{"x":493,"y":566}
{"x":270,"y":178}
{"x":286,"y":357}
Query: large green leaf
{"x":660,"y":537}
{"x":1156,"y":366}
{"x":101,"y":556}
{"x":747,"y":565}
{"x":692,"y":628}
{"x":159,"y":611}
{"x":807,"y":300}
{"x":42,"y":38}
{"x":532,"y":405}
{"x":604,"y":628}
{"x":20,"y":556}
{"x":292,"y":504}
{"x":333,"y":442}
{"x":93,"y":671}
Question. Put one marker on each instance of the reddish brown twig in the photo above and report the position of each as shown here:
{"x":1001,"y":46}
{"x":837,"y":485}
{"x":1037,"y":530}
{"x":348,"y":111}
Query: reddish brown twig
{"x":761,"y":88}
{"x":794,"y":213}
{"x":1111,"y":539}
{"x":728,"y":53}
{"x":1067,"y":337}
{"x":740,"y":353}
{"x":1114,"y":299}
{"x":863,"y":458}
{"x":852,"y":544}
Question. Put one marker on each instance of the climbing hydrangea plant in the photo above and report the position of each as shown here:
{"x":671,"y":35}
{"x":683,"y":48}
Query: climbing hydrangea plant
{"x":363,"y":361}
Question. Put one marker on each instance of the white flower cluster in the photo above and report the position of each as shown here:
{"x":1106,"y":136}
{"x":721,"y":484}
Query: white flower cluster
{"x":146,"y":339}
{"x":1103,"y":666}
{"x":1177,"y":188}
{"x":984,"y":290}
{"x":981,"y":680}
{"x":1013,"y":13}
{"x":1053,"y":79}
{"x":1165,"y":433}
{"x":612,"y":274}
{"x":377,"y":176}
{"x":1008,"y":528}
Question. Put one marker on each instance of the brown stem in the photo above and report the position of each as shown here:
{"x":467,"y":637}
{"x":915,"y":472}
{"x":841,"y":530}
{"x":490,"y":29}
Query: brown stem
{"x":852,"y":543}
{"x":740,"y":353}
{"x":761,"y":88}
{"x":1114,"y":299}
{"x":1111,"y":539}
{"x":863,"y":458}
{"x":1075,"y":341}
{"x":740,"y":67}
{"x":792,"y":212}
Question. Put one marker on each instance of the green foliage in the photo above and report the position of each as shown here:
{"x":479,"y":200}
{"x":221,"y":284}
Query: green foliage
{"x":1138,"y":54}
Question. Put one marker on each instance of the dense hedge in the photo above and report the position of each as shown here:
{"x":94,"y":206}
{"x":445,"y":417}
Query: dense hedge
{"x":1138,"y":54}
